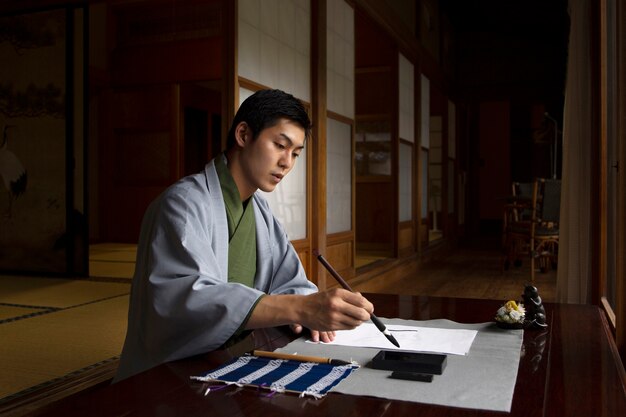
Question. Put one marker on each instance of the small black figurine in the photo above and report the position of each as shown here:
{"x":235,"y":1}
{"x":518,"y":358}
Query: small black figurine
{"x":535,"y":312}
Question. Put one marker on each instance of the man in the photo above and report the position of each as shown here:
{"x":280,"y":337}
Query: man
{"x":212,"y":260}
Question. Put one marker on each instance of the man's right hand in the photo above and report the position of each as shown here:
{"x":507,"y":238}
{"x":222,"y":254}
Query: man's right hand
{"x":335,"y":309}
{"x":324,"y":311}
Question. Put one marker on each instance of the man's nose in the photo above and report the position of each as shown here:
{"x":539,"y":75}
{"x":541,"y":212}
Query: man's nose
{"x":286,"y":161}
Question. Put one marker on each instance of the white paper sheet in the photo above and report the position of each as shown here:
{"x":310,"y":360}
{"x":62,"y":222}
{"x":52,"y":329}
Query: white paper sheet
{"x":410,"y":338}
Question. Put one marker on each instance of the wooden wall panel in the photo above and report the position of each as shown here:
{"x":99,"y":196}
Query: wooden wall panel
{"x":423,"y":232}
{"x":373,"y":46}
{"x":373,"y":86}
{"x":406,"y":238}
{"x":139,"y":156}
{"x":190,"y":61}
{"x":143,"y":157}
{"x":303,"y":250}
{"x":494,"y":172}
{"x":375,"y":217}
{"x":340,"y":255}
{"x":155,"y":42}
{"x":451,"y":226}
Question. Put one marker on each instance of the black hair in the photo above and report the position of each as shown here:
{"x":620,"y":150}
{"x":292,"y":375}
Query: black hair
{"x":264,"y":108}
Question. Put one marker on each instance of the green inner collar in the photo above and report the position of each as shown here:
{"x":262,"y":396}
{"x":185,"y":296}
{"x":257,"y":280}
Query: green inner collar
{"x":241,"y":228}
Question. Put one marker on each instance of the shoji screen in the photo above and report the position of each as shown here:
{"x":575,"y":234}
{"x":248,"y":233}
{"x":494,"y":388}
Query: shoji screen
{"x":451,"y":154}
{"x":274,"y":44}
{"x":340,"y":58}
{"x":407,"y":99}
{"x":424,"y":139}
{"x":340,"y":101}
{"x":274,"y":51}
{"x":339,"y":174}
{"x":406,"y":121}
{"x":405,"y":182}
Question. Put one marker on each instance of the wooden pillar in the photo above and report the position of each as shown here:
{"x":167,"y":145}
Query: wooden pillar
{"x":318,"y":109}
{"x":620,"y":310}
{"x":230,"y":98}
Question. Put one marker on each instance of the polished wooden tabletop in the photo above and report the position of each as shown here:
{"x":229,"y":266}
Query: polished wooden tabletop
{"x":570,"y":369}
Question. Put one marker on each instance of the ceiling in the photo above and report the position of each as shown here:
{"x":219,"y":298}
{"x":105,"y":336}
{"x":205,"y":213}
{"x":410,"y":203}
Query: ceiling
{"x":507,"y":16}
{"x":509,"y":45}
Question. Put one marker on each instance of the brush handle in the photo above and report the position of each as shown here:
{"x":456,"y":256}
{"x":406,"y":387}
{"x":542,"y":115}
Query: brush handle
{"x":300,"y":358}
{"x":334,"y":273}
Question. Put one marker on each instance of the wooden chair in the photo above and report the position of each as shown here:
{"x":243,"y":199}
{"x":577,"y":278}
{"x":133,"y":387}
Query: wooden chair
{"x":544,"y":235}
{"x":537,"y":237}
{"x":517,"y":215}
{"x":522,"y":198}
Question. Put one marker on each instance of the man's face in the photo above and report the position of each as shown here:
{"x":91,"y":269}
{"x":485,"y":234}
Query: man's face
{"x":266,"y":160}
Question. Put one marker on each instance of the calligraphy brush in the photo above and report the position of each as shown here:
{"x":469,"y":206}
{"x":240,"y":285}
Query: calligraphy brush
{"x":301,"y":358}
{"x":379,"y":324}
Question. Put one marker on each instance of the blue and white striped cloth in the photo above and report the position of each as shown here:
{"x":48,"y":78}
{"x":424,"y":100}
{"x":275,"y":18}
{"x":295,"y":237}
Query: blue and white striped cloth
{"x":278,"y":375}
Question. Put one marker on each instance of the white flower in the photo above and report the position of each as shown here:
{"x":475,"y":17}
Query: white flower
{"x":511,"y":312}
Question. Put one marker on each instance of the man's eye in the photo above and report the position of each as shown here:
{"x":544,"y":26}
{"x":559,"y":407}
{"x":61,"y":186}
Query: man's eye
{"x":279,"y":145}
{"x":295,"y":155}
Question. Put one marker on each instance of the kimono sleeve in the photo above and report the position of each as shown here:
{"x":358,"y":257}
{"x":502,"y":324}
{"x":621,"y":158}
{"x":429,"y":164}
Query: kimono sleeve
{"x":181,"y":302}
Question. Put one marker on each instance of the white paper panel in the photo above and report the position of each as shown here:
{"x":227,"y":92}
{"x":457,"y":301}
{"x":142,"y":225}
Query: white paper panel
{"x":451,"y":193}
{"x":425,"y":112}
{"x":406,"y":95}
{"x":405,"y":182}
{"x":338,"y":177}
{"x":274,"y":38}
{"x":424,"y":179}
{"x":340,"y":58}
{"x":451,"y":130}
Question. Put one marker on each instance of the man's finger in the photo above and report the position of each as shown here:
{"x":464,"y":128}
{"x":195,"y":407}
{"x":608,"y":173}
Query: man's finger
{"x":327,"y":337}
{"x":315,"y":336}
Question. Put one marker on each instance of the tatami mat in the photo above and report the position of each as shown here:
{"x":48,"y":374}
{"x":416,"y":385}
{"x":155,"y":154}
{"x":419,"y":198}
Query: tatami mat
{"x":53,"y":292}
{"x":111,"y":269}
{"x":112,"y":247}
{"x":125,"y":255}
{"x":11,"y":312}
{"x":46,"y":347}
{"x":116,"y":255}
{"x":63,"y":326}
{"x":112,"y":260}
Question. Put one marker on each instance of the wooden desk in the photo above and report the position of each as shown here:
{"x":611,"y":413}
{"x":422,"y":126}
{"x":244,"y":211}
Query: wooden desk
{"x":572,"y":369}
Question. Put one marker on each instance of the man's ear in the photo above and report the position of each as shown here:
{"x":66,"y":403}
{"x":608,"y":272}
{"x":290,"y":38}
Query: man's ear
{"x":242,"y":133}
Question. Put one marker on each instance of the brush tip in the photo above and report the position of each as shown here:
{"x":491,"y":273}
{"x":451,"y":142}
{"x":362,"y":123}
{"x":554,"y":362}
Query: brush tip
{"x":316,"y":253}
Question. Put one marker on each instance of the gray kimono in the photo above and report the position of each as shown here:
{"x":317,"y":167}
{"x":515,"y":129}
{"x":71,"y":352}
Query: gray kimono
{"x":181,"y":302}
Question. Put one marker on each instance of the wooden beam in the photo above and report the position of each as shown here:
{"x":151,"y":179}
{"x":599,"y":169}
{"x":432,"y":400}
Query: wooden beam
{"x":620,"y":250}
{"x":318,"y":145}
{"x":230,"y":98}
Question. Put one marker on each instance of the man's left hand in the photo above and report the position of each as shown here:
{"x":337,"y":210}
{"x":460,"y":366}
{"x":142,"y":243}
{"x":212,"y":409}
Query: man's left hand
{"x":316,"y":336}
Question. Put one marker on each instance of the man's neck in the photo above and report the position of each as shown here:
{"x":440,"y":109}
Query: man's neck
{"x":234,"y":167}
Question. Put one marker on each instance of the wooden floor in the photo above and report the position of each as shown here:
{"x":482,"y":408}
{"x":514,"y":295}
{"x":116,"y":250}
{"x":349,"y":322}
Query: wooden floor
{"x":474,"y":270}
{"x":471,"y":271}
